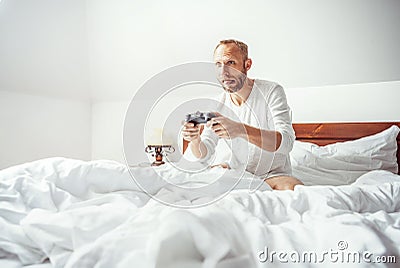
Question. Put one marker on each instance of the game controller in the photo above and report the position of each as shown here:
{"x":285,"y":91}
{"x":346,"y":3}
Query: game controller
{"x":199,"y":117}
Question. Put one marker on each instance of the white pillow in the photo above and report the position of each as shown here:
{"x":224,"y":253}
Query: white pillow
{"x":343,"y":162}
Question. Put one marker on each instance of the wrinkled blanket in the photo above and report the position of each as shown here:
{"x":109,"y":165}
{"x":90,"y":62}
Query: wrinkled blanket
{"x":72,"y":213}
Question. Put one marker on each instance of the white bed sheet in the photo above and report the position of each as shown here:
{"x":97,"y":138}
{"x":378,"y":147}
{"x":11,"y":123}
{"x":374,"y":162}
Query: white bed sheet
{"x":91,"y":214}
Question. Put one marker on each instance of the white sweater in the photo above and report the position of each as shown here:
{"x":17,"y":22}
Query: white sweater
{"x":265,"y":108}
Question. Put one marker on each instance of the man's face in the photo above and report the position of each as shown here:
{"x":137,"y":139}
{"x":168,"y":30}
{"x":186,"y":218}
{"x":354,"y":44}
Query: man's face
{"x":230,"y":67}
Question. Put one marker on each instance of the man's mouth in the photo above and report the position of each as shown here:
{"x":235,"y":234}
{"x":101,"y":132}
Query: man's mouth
{"x":228,"y":82}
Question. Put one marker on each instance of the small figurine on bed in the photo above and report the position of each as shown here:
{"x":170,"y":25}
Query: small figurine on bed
{"x":158,"y":151}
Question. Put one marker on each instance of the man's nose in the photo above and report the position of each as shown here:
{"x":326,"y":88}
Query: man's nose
{"x":223,"y":70}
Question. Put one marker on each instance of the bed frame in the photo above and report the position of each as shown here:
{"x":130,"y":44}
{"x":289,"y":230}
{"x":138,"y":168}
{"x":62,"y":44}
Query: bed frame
{"x":327,"y":133}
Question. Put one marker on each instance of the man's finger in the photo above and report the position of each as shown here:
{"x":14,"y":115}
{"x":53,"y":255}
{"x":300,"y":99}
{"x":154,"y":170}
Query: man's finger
{"x":210,"y":122}
{"x":217,"y":126}
{"x":191,"y":128}
{"x":191,"y":134}
{"x":188,"y":124}
{"x":214,"y":121}
{"x":217,"y":119}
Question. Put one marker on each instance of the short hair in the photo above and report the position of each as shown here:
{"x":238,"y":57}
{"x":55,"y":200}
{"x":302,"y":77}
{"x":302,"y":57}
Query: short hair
{"x":242,"y":46}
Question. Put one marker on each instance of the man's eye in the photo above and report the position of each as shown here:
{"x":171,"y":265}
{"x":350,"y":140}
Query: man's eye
{"x":230,"y":62}
{"x":218,"y":64}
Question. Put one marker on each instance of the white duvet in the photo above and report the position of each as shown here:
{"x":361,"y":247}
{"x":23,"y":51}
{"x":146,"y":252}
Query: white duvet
{"x":70,"y":213}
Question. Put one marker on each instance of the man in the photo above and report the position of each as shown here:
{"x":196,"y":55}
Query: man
{"x":262,"y":121}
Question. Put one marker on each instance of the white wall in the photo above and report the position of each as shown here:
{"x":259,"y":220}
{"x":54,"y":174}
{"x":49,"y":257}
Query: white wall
{"x":367,"y":102}
{"x":107,"y":130}
{"x":34,"y":127}
{"x":45,"y":105}
{"x":43,"y":48}
{"x":297,"y":43}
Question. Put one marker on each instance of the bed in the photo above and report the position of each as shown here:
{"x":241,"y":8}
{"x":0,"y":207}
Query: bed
{"x":60,"y":212}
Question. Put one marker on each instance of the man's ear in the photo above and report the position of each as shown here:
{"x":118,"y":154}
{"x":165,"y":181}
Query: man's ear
{"x":247,"y":64}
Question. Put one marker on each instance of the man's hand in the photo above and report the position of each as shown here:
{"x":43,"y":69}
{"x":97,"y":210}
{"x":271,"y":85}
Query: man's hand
{"x":226,"y":128}
{"x":191,"y":132}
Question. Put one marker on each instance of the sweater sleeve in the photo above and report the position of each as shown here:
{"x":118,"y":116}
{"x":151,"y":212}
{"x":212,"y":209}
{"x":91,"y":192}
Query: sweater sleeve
{"x":282,"y":118}
{"x":210,"y":140}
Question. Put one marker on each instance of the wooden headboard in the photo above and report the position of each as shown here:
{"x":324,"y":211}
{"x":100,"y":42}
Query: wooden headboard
{"x":327,"y":133}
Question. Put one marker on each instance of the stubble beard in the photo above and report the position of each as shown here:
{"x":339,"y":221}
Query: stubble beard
{"x":240,"y":81}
